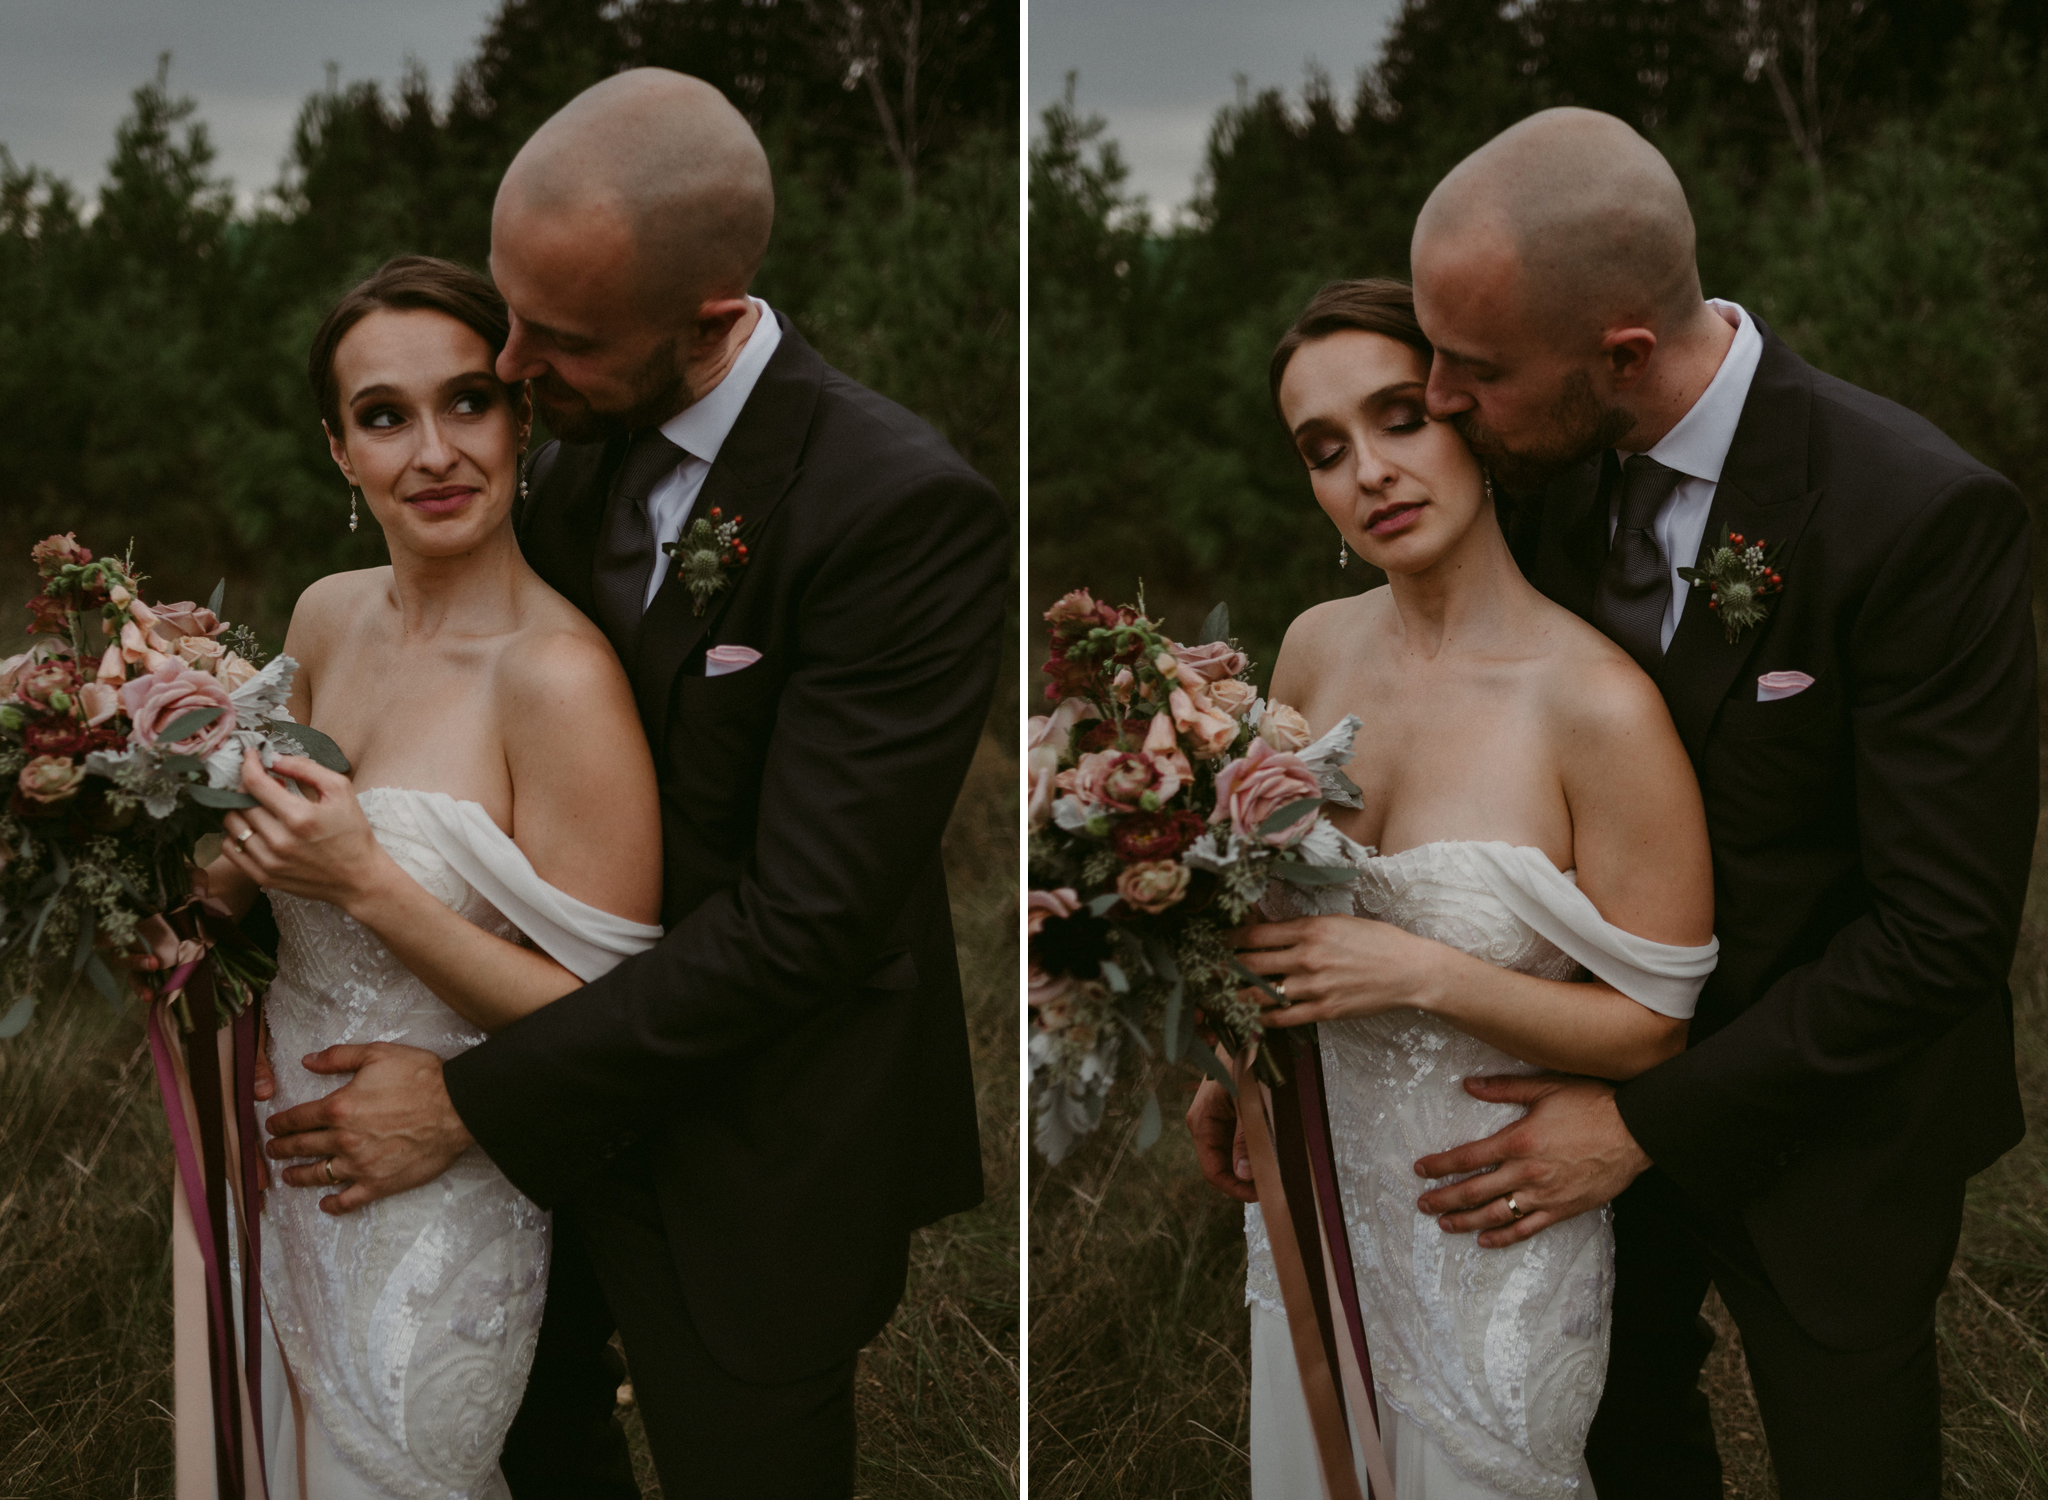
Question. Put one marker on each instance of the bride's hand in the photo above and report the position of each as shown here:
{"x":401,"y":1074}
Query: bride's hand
{"x":1327,"y":968}
{"x":318,"y":846}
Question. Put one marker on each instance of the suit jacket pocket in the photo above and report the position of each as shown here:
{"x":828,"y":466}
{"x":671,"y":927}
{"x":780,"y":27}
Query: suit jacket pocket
{"x":1744,"y":718}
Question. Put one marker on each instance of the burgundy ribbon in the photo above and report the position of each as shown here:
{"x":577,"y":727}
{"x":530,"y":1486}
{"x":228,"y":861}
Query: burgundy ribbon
{"x":191,"y":1081}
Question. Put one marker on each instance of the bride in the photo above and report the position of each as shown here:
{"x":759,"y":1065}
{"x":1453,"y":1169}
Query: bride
{"x":1533,"y":894}
{"x":497,"y":846}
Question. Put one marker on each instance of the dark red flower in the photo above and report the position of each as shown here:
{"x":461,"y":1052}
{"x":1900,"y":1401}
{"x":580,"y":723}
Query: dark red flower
{"x":48,"y":616}
{"x":1160,"y":835}
{"x":1112,"y":734}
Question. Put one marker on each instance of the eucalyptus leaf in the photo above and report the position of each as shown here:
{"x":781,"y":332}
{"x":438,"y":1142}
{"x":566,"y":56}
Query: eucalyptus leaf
{"x":1208,"y":1062}
{"x":1113,"y":976}
{"x":1289,"y":815}
{"x":82,"y":949}
{"x":1300,"y":874}
{"x":1172,"y":1020}
{"x":1103,"y":903}
{"x":183,"y":765}
{"x":1216,"y":627}
{"x":62,"y":872}
{"x":35,"y":935}
{"x":15,"y":1022}
{"x":104,"y":981}
{"x":1257,"y":981}
{"x":188,"y":724}
{"x":318,"y":747}
{"x":1148,"y":1123}
{"x":220,"y":592}
{"x":213,"y":796}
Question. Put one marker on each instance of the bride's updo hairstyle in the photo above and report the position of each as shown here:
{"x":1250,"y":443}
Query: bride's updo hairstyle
{"x":405,"y":283}
{"x":1372,"y":304}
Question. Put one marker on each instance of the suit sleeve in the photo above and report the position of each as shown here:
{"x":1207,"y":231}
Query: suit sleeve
{"x":895,"y":639}
{"x":1945,"y":732}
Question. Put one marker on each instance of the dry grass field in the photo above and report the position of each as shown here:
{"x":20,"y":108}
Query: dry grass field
{"x":1138,"y":1353}
{"x":84,"y":1223}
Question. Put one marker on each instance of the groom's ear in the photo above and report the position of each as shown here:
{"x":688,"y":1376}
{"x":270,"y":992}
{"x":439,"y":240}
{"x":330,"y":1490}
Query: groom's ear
{"x":1627,"y":352}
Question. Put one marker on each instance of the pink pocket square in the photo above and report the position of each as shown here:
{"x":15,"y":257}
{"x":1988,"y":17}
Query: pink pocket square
{"x":720,"y":660}
{"x":1774,"y":685}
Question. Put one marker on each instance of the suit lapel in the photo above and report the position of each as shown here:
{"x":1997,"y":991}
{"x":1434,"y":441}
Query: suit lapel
{"x":1571,"y":543}
{"x":563,"y":519}
{"x":1765,"y":493}
{"x":759,"y":461}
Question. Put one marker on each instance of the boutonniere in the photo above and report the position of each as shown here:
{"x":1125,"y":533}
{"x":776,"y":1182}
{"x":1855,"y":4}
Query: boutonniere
{"x":1740,"y":581}
{"x":708,"y":550}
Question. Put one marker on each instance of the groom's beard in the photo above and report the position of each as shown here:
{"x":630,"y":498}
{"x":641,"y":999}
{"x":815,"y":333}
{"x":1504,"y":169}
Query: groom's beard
{"x":1577,"y":427}
{"x":659,"y":392}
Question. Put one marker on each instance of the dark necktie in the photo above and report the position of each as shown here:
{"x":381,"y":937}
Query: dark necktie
{"x":1635,"y":585}
{"x":625,"y":542}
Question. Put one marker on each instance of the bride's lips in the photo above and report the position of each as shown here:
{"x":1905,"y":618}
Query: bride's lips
{"x":1392,"y":520}
{"x":441,"y":499}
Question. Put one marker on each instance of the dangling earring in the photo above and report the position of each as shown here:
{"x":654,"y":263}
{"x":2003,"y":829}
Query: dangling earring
{"x":351,"y":509}
{"x":522,"y":476}
{"x":1489,"y":486}
{"x":1343,"y":552}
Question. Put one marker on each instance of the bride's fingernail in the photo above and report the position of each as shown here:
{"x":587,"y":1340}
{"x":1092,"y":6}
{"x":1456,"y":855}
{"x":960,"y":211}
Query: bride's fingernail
{"x":1244,"y":1168}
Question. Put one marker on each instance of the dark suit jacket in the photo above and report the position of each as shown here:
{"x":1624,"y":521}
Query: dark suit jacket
{"x":1851,"y":1061}
{"x":790,"y":1062}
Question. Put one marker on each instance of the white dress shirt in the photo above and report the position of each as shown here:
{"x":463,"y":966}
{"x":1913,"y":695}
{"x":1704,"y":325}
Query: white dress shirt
{"x":1697,"y":448}
{"x":700,"y":430}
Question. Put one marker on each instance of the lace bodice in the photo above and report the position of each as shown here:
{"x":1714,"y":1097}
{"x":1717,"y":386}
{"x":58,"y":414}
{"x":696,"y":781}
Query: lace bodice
{"x":409,"y":1325}
{"x":1499,"y":1354}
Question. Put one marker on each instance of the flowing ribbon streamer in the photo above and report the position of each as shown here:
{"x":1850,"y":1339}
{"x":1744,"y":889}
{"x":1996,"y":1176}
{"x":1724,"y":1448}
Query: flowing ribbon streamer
{"x":207,"y":1083}
{"x":1300,"y":1228}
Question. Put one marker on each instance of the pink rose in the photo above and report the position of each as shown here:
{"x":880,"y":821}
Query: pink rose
{"x":50,"y":779}
{"x":101,"y":703}
{"x":1213,"y":662}
{"x":1233,"y":697}
{"x":1284,"y":728}
{"x":183,"y":618}
{"x":1153,"y":885}
{"x":1046,"y":906}
{"x":1210,"y":731}
{"x":155,"y":700}
{"x":53,"y":552}
{"x":1251,"y":790}
{"x":1055,"y":728}
{"x":13,"y":670}
{"x":50,"y":683}
{"x":1120,"y":779}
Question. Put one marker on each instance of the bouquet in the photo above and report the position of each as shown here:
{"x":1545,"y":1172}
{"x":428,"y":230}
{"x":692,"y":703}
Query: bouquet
{"x":1164,"y":797}
{"x":122,"y":732}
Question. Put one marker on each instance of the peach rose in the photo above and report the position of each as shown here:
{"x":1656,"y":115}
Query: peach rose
{"x":1045,"y":906}
{"x":183,"y":619}
{"x":1077,"y":605}
{"x":101,"y":703}
{"x":1251,"y":790}
{"x":1121,"y":779}
{"x":1209,"y":730}
{"x":53,"y":552}
{"x":155,"y":700}
{"x":13,"y":670}
{"x":1211,"y":663}
{"x":234,"y":671}
{"x":50,"y":683}
{"x":1153,"y":885}
{"x":50,"y":779}
{"x":1233,"y":697}
{"x":1284,"y":728}
{"x":202,"y":652}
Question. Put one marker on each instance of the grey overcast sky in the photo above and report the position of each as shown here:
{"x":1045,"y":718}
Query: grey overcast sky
{"x":67,"y":68}
{"x":1158,"y":70}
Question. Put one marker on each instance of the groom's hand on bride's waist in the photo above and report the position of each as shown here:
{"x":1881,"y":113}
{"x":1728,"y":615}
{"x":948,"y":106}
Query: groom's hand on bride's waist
{"x":1569,"y":1153}
{"x":389,"y":1128}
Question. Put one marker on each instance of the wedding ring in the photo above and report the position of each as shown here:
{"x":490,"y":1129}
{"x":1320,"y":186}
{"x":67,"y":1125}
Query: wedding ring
{"x":333,"y":1181}
{"x":242,"y":838}
{"x":1280,"y":988}
{"x":1514,"y":1211}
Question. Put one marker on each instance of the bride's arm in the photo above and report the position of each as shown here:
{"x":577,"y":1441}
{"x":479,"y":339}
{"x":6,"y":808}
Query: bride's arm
{"x":584,"y":814}
{"x":1640,"y":847}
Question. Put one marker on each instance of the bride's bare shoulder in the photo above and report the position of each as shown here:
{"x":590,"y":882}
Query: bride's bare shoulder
{"x":329,"y":608}
{"x":1322,"y":640}
{"x":1594,"y":689}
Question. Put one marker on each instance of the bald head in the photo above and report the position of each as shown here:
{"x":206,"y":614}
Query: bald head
{"x":1591,"y":215}
{"x":668,"y":161}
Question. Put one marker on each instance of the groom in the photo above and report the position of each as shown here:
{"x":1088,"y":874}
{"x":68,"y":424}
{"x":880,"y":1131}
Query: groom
{"x":1869,"y":759}
{"x":739,"y":1129}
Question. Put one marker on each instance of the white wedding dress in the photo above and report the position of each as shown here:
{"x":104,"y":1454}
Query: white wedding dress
{"x":1489,"y":1363}
{"x":400,"y":1335}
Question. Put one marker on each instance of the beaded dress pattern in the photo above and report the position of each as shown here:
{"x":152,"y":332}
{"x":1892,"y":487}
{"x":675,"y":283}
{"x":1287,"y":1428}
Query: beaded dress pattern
{"x":1499,"y":1355}
{"x":409,"y":1325}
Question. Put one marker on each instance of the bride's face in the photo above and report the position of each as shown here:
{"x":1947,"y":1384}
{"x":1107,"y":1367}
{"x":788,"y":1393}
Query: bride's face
{"x":1401,"y":488}
{"x":427,"y":430}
